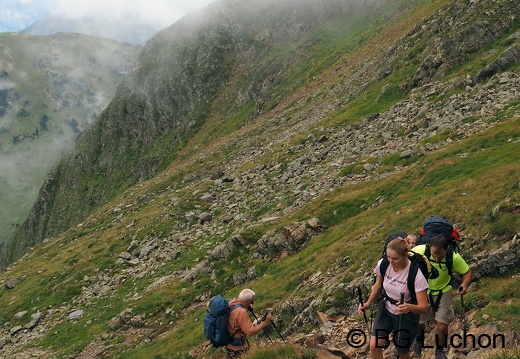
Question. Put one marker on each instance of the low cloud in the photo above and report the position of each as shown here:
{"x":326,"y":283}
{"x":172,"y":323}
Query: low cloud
{"x":6,"y":85}
{"x":156,"y":13}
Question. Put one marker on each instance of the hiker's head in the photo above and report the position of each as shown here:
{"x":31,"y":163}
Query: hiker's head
{"x":439,"y":247}
{"x":411,"y":240}
{"x":248,"y":296}
{"x":396,"y":251}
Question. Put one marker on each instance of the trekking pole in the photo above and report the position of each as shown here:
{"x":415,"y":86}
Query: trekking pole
{"x":274,"y":325}
{"x":400,"y":326}
{"x":280,"y":334}
{"x":464,"y":323}
{"x":360,"y":296}
{"x":259,"y":321}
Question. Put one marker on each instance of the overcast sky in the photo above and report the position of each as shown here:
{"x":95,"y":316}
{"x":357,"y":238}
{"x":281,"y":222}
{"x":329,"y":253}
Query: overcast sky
{"x":157,"y":13}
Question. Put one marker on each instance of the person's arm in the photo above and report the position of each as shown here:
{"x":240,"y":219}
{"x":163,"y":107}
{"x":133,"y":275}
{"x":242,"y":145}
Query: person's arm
{"x":247,"y":327}
{"x":461,"y":267}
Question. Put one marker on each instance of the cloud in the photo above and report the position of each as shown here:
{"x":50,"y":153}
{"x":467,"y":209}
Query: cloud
{"x":157,"y":13}
{"x":6,"y":85}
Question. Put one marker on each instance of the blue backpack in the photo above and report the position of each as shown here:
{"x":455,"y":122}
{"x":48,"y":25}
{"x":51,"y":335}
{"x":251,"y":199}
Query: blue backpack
{"x":434,"y":226}
{"x":216,"y":322}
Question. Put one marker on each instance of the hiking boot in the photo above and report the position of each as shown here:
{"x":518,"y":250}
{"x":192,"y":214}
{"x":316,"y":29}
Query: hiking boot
{"x":416,"y":347}
{"x":439,"y":354}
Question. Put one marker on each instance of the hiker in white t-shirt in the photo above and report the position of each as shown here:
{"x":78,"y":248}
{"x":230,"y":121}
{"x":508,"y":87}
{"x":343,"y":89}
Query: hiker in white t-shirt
{"x":402,"y":319}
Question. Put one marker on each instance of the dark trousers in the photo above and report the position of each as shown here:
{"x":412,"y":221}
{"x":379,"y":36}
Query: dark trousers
{"x":387,"y":323}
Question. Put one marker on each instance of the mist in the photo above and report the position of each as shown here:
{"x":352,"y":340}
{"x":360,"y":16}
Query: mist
{"x":21,"y":172}
{"x":110,"y":19}
{"x":52,"y":88}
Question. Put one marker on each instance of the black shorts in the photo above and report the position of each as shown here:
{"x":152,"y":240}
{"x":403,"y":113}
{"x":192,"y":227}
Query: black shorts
{"x":387,"y":323}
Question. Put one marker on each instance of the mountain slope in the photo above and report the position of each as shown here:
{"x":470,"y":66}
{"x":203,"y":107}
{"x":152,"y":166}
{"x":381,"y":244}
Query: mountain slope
{"x":206,"y":57}
{"x":318,"y":134}
{"x":51,"y":90}
{"x":178,"y":76}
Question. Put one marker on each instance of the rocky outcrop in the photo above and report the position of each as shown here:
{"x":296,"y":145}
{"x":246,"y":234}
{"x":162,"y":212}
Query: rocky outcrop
{"x":346,"y":337}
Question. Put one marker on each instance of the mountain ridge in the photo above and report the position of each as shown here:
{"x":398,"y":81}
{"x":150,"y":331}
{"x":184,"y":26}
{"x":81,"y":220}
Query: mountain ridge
{"x":286,"y":185}
{"x":119,"y":30}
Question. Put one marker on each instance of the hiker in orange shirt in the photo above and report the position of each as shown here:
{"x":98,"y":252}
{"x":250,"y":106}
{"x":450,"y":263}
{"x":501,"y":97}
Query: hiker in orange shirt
{"x":241,"y":326}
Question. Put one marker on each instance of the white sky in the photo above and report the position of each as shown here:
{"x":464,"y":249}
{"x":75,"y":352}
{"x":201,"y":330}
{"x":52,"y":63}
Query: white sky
{"x":158,"y":13}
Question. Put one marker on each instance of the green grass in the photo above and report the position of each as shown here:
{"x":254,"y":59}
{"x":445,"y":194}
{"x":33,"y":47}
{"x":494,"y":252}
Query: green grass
{"x":498,"y":299}
{"x":281,"y":352}
{"x":432,"y":186}
{"x":513,"y":353}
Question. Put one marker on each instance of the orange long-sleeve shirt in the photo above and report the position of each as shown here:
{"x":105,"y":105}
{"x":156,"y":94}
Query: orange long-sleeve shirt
{"x":240,"y":323}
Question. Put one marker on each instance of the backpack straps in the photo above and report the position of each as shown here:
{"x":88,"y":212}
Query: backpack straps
{"x":427,"y":251}
{"x":410,"y":281}
{"x":449,"y":262}
{"x":448,"y":258}
{"x":236,"y":341}
{"x":236,"y":305}
{"x":383,"y":267}
{"x":435,"y":303}
{"x":449,"y":265}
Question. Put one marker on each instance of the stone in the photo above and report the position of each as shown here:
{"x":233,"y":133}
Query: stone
{"x":205,"y":217}
{"x":3,"y":342}
{"x":406,"y":154}
{"x":11,"y":283}
{"x":329,"y":353}
{"x":76,"y":314}
{"x":312,"y":340}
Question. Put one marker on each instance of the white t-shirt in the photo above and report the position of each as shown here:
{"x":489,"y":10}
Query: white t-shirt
{"x":394,"y":283}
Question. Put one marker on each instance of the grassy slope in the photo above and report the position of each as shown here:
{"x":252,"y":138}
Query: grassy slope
{"x":413,"y":193}
{"x":463,"y":182}
{"x":436,"y":184}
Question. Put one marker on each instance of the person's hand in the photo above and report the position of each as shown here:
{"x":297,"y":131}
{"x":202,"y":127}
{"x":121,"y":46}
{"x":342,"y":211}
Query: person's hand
{"x":362,"y":308}
{"x":402,"y":308}
{"x":462,"y":289}
{"x":268,"y":318}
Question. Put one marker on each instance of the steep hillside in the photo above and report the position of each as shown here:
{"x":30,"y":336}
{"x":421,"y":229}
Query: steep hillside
{"x":227,"y":51}
{"x":274,"y":147}
{"x":51,"y":90}
{"x":227,"y":65}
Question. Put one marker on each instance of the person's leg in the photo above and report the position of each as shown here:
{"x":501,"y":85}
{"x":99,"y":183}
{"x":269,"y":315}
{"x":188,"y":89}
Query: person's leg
{"x":406,"y":334}
{"x":380,"y":333}
{"x":418,"y":343}
{"x":444,"y":317}
{"x":442,"y":336}
{"x":376,"y":347}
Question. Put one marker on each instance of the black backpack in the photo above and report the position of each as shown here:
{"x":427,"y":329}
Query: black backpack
{"x":418,"y":262}
{"x":216,"y":322}
{"x":391,"y":238}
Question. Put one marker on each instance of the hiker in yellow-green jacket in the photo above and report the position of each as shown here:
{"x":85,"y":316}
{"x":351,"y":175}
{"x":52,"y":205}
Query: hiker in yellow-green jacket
{"x":440,"y":292}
